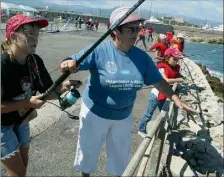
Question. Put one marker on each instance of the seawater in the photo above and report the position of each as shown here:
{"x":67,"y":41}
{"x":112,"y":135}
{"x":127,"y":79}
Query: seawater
{"x":209,"y":55}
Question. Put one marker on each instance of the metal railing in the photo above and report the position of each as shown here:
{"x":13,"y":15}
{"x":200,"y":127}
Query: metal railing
{"x":154,"y":141}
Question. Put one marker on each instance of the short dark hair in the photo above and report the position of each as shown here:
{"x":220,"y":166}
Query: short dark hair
{"x":119,"y":28}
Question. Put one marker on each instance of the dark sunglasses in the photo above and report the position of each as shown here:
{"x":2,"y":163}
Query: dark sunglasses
{"x":131,"y":29}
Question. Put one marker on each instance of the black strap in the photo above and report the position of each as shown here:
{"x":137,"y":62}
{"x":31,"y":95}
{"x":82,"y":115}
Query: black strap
{"x":33,"y":73}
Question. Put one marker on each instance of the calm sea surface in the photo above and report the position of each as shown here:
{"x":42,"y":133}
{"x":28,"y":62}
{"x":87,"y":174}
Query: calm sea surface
{"x":210,"y":55}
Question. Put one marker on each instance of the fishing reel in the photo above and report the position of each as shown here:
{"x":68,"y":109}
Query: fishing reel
{"x":70,"y":98}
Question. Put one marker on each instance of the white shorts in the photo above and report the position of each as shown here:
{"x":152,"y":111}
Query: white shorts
{"x":93,"y":131}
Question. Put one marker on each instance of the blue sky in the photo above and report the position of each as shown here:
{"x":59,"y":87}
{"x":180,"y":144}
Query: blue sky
{"x":202,"y":9}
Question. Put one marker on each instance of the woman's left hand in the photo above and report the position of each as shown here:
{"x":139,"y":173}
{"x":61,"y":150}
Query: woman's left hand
{"x":66,"y":85}
{"x":185,"y":107}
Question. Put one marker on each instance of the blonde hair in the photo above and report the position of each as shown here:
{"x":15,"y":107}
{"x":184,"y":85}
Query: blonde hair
{"x":158,"y":40}
{"x":175,"y":46}
{"x":6,"y":46}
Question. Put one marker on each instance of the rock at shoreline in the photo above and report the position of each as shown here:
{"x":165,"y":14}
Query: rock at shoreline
{"x":215,"y":83}
{"x":197,"y":140}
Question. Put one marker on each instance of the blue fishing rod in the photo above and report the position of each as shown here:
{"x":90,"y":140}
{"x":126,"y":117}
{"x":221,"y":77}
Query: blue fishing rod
{"x":71,"y":97}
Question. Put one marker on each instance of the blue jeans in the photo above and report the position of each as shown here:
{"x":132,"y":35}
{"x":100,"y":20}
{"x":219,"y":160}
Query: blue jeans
{"x":152,"y":105}
{"x":12,"y":137}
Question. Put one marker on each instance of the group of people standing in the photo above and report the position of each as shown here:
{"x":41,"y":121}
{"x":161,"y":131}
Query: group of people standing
{"x":167,"y":53}
{"x":90,"y":23}
{"x":118,"y":69}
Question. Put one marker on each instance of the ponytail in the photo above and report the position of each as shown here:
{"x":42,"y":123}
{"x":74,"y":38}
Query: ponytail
{"x":5,"y":45}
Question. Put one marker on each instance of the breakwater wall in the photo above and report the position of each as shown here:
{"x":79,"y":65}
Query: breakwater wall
{"x":196,"y":140}
{"x":197,"y":32}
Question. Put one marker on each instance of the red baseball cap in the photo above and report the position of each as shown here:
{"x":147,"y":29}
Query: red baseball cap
{"x":173,"y":52}
{"x":16,"y":21}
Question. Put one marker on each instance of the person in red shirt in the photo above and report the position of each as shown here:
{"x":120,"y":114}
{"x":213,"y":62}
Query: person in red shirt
{"x":169,"y":37}
{"x":150,"y":31}
{"x":96,"y":24}
{"x":160,"y":47}
{"x":178,"y":43}
{"x":142,"y":36}
{"x":170,"y":70}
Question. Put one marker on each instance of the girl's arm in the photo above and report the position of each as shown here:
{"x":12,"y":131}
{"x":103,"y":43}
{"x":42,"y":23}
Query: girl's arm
{"x":171,"y":81}
{"x":33,"y":102}
{"x":156,"y":55}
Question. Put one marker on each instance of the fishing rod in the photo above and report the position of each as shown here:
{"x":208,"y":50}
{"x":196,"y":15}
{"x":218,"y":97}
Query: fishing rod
{"x":67,"y":73}
{"x":75,"y":95}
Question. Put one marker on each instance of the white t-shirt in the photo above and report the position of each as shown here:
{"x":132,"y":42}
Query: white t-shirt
{"x":154,"y":90}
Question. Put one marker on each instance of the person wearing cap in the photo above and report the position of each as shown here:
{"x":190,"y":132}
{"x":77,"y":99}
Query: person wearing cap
{"x":169,"y":37}
{"x":150,"y":31}
{"x":97,"y":24}
{"x":118,"y":70}
{"x":142,"y":36}
{"x":23,"y":73}
{"x":169,"y":69}
{"x":160,"y":46}
{"x":178,"y":43}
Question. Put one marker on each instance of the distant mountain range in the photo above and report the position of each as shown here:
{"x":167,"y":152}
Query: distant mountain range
{"x":107,"y":12}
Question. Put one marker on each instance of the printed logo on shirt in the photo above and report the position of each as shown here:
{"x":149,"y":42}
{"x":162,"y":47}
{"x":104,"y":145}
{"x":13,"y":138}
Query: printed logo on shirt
{"x":125,"y":72}
{"x":26,"y":87}
{"x":111,"y":67}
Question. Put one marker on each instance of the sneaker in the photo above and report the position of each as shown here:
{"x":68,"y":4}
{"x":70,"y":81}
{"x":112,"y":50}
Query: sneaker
{"x":142,"y":134}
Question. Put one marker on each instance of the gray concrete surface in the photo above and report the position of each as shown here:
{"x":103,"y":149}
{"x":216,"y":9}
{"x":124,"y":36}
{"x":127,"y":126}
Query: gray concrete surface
{"x":54,"y":135}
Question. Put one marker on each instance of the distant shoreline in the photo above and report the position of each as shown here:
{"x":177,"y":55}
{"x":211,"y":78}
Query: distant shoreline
{"x":209,"y":40}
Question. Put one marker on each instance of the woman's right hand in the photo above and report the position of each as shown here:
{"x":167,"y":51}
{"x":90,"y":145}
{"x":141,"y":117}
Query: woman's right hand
{"x":68,"y":65}
{"x":36,"y":102}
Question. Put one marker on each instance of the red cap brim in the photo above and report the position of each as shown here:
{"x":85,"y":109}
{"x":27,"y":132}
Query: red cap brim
{"x":42,"y":23}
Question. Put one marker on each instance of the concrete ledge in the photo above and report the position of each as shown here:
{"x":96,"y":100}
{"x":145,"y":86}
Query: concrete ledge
{"x":180,"y":167}
{"x":209,"y":101}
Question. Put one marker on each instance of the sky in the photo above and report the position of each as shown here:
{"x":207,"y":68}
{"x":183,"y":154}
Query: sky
{"x":206,"y":9}
{"x":202,"y":9}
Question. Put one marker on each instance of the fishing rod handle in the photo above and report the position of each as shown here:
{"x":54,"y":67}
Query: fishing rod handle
{"x":56,"y":84}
